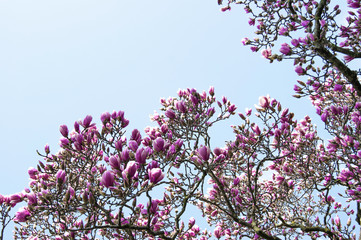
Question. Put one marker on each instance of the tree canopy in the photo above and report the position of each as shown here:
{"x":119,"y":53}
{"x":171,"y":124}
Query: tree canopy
{"x":277,"y":179}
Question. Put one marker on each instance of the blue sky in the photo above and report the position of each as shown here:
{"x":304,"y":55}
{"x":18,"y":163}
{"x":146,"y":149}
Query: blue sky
{"x":62,"y":60}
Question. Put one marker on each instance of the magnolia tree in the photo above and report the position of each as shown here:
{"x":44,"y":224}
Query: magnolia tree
{"x":277,"y":179}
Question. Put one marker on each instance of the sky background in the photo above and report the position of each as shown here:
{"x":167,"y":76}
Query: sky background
{"x":63,"y":60}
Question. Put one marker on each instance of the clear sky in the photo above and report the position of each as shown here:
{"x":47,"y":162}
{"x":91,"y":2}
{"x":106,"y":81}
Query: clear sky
{"x":62,"y":60}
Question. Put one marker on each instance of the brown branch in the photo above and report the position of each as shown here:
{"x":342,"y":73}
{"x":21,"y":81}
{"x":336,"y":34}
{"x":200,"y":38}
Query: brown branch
{"x":127,"y":227}
{"x":344,"y":50}
{"x":320,"y":8}
{"x":351,"y":76}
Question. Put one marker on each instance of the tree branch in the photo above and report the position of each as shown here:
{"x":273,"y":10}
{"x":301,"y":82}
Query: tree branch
{"x":350,"y":75}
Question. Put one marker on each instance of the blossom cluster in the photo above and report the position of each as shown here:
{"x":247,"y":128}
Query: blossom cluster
{"x":276,"y":178}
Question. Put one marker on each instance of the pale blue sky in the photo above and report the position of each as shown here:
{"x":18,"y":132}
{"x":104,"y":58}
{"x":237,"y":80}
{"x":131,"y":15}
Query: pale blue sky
{"x":62,"y":60}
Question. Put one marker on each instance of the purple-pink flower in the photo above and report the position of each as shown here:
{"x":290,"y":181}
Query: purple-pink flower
{"x":211,"y":90}
{"x":299,"y":70}
{"x":107,"y":179}
{"x":251,"y":21}
{"x":105,"y":117}
{"x":114,"y":162}
{"x":337,"y":88}
{"x":22,"y":215}
{"x":218,"y":232}
{"x":33,"y":172}
{"x":158,"y":144}
{"x":130,"y":170}
{"x":64,"y":130}
{"x":204,"y":153}
{"x":133,"y":145}
{"x":141,"y":155}
{"x":87,"y":120}
{"x":295,"y":42}
{"x":305,"y":23}
{"x":15,"y":199}
{"x":282,"y":31}
{"x":232,"y":108}
{"x":266,"y":53}
{"x":60,"y":176}
{"x":155,"y":175}
{"x":170,"y":113}
{"x":337,"y":221}
{"x":32,"y":199}
{"x":180,"y":105}
{"x":285,"y":49}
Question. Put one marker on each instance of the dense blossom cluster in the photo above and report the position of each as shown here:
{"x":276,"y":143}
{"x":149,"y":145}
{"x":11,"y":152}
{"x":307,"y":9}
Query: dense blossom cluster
{"x":276,"y":179}
{"x":307,"y":31}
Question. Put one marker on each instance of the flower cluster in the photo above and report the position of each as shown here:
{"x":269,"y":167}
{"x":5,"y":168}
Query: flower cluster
{"x":306,"y":31}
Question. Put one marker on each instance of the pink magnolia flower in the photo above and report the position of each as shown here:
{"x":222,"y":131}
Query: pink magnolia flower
{"x":32,"y":199}
{"x":353,"y":3}
{"x":218,"y":232}
{"x":87,"y":120}
{"x":155,"y":175}
{"x":299,"y":70}
{"x":192,"y":221}
{"x":130,"y":170}
{"x":47,"y":149}
{"x":114,"y":162}
{"x":295,"y":42}
{"x":22,"y":215}
{"x":227,"y":8}
{"x":60,"y":176}
{"x":245,"y":41}
{"x":107,"y":179}
{"x":158,"y":144}
{"x":141,"y":155}
{"x":33,"y":172}
{"x":264,"y":102}
{"x":282,"y":30}
{"x":254,"y":49}
{"x":305,"y":23}
{"x":204,"y":153}
{"x":348,"y":58}
{"x":105,"y":117}
{"x":285,"y":49}
{"x":232,"y":108}
{"x":133,"y":145}
{"x":170,"y":114}
{"x":266,"y":53}
{"x":64,"y":130}
{"x":251,"y":21}
{"x":337,"y":221}
{"x":154,"y":206}
{"x":337,"y":88}
{"x":211,"y":90}
{"x":180,"y":105}
{"x":15,"y":199}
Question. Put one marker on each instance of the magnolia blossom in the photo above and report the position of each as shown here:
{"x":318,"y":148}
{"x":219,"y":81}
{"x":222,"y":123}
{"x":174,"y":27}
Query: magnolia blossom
{"x":155,"y":175}
{"x":64,"y":130}
{"x":285,"y":49}
{"x":60,"y":176}
{"x":130,"y":170}
{"x":107,"y":179}
{"x":180,"y":105}
{"x":141,"y":155}
{"x":22,"y":215}
{"x":267,"y":53}
{"x":170,"y":113}
{"x":158,"y":144}
{"x":204,"y":153}
{"x":299,"y":70}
